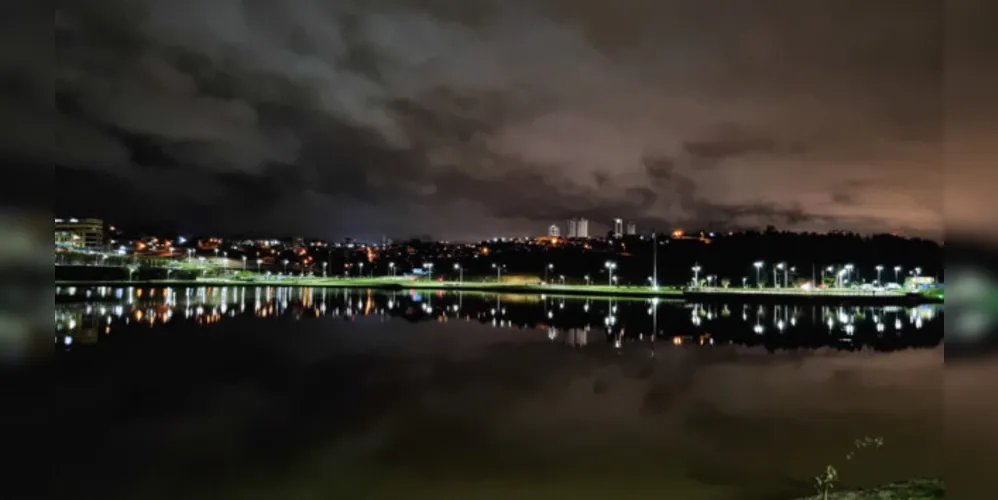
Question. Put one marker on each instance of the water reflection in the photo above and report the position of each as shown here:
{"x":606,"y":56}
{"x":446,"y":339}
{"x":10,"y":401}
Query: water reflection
{"x":85,"y":315}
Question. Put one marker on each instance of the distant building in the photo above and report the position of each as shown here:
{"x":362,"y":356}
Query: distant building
{"x":632,"y":229}
{"x":79,"y":234}
{"x":582,"y":228}
{"x":618,"y":227}
{"x":553,"y":231}
{"x":573,"y":228}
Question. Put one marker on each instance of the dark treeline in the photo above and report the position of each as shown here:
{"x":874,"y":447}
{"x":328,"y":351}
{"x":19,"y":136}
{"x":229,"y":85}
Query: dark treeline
{"x":730,"y":257}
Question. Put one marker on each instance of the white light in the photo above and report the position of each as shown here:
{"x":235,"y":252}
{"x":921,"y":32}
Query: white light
{"x":759,"y":329}
{"x":67,"y":341}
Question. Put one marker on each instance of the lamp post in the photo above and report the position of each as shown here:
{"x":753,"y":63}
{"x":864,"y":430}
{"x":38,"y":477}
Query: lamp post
{"x":610,"y":266}
{"x":879,"y":268}
{"x":823,"y":271}
{"x":744,"y":282}
{"x":258,"y":261}
{"x":779,"y":267}
{"x":285,"y":262}
{"x":498,"y":269}
{"x":897,"y":271}
{"x":225,"y":260}
{"x":244,"y":262}
{"x":324,"y":264}
{"x":391,"y":268}
{"x":588,"y":281}
{"x":460,"y":272}
{"x":429,"y":266}
{"x":758,"y":273}
{"x":549,"y":267}
{"x":654,"y":262}
{"x":849,"y":268}
{"x":360,"y":270}
{"x":562,"y":278}
{"x":696,"y":275}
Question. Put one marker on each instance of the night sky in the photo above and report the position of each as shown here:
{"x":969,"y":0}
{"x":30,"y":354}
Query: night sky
{"x":471,"y":119}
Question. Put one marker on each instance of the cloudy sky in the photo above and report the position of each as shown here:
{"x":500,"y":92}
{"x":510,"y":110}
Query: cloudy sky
{"x":476,"y":118}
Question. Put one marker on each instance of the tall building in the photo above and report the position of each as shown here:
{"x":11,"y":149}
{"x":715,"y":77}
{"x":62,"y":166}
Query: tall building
{"x":632,"y":229}
{"x":75,"y":233}
{"x":582,"y":228}
{"x":618,"y":227}
{"x":553,"y":231}
{"x":573,"y":228}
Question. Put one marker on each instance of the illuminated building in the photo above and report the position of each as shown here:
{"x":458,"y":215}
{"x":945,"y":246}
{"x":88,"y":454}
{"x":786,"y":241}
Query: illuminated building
{"x":618,"y":227}
{"x":573,"y":228}
{"x":553,"y":231}
{"x":582,"y":228}
{"x":75,"y":233}
{"x":632,"y":229}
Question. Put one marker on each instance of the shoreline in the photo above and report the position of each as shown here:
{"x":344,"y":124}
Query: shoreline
{"x":915,"y":489}
{"x":668,"y":293}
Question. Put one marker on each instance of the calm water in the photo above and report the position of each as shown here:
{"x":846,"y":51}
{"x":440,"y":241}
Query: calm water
{"x":320,"y":393}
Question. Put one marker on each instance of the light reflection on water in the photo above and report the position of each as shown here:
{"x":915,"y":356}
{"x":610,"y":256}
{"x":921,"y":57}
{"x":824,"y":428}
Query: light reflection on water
{"x":84,"y":315}
{"x":357,"y":394}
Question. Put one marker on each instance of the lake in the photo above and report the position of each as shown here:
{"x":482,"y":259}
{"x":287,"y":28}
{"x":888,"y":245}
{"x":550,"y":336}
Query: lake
{"x":257,"y":392}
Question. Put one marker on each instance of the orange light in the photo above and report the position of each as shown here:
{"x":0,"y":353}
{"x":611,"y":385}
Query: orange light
{"x":677,"y":341}
{"x":678,"y":233}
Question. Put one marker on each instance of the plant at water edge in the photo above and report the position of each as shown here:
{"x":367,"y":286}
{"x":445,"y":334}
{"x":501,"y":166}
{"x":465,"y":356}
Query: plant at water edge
{"x":825,"y":482}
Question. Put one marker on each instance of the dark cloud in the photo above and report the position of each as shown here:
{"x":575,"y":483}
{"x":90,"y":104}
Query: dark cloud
{"x":725,"y":142}
{"x":466,"y":120}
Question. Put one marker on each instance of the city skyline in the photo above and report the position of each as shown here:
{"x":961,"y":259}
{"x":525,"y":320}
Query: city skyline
{"x":706,"y":116}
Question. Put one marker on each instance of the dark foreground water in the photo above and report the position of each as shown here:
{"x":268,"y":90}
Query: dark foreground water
{"x":301,"y":394}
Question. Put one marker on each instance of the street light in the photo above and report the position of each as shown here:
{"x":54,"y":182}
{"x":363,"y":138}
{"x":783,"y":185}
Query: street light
{"x":258,"y":261}
{"x":391,"y":268}
{"x":428,"y":265}
{"x":562,"y":278}
{"x":897,"y":270}
{"x":460,"y":272}
{"x":498,"y":269}
{"x":879,"y":268}
{"x":244,"y":262}
{"x":610,"y":266}
{"x":225,"y":260}
{"x":780,"y":266}
{"x":696,"y":275}
{"x":549,"y":267}
{"x":587,"y":279}
{"x":285,"y":262}
{"x":828,"y":269}
{"x":324,"y":264}
{"x":758,"y":269}
{"x":744,"y":282}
